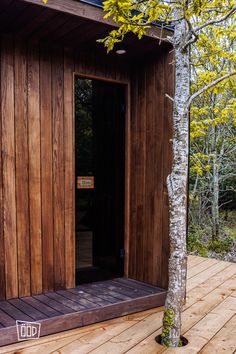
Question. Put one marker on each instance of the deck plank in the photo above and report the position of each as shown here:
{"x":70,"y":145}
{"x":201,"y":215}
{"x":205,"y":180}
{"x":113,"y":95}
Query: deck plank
{"x":85,"y":300}
{"x":90,"y":341}
{"x":210,"y":284}
{"x":50,"y":347}
{"x":54,"y":304}
{"x":201,"y":333}
{"x":107,"y":288}
{"x":99,"y":293}
{"x":151,"y":328}
{"x":6,"y":320}
{"x":206,"y":274}
{"x":28,"y":309}
{"x":67,"y":309}
{"x":47,"y":310}
{"x":65,"y":301}
{"x":78,"y":296}
{"x":194,"y":260}
{"x":59,"y":337}
{"x":199,"y":268}
{"x":14,"y":312}
{"x":133,"y":290}
{"x":223,"y":341}
{"x":129,"y":291}
{"x":138,"y":284}
{"x":209,"y":320}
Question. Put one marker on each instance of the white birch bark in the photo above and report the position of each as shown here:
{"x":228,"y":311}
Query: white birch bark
{"x":215,"y":191}
{"x":183,"y":37}
{"x":215,"y":202}
{"x":177,"y":190}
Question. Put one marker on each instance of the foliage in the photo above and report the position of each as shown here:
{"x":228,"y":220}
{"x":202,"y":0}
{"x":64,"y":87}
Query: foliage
{"x":195,"y":240}
{"x":200,"y":241}
{"x":213,"y":135}
{"x":221,"y":245}
{"x":136,"y":16}
{"x":229,"y":223}
{"x":168,"y":322}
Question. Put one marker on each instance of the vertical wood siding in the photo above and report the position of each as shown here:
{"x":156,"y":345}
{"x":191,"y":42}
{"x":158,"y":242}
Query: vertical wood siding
{"x":22,"y":170}
{"x":37,"y":165}
{"x":35,"y":198}
{"x":150,"y":165}
{"x":2,"y":243}
{"x":9,"y":167}
{"x":69,"y":168}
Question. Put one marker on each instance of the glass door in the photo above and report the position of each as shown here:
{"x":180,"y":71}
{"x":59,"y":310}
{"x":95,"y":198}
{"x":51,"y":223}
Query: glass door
{"x":99,"y":167}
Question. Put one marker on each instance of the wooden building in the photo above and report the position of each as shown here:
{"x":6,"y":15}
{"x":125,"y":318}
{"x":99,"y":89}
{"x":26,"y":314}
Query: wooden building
{"x":85,"y":152}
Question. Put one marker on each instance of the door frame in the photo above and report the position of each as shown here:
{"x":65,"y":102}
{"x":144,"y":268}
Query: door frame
{"x":127,"y":174}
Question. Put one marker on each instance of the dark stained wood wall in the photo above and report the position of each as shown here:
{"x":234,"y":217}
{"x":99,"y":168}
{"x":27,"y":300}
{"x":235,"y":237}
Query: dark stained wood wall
{"x":37,"y":165}
{"x":151,"y":131}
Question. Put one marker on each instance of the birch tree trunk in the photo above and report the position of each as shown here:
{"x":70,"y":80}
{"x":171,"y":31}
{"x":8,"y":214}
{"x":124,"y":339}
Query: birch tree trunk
{"x":215,"y":200}
{"x":177,"y":190}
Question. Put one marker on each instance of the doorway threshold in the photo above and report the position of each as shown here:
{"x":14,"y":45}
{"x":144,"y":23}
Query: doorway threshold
{"x":72,"y":308}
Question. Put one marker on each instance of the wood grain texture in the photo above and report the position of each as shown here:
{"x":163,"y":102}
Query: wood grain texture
{"x":159,"y":161}
{"x":150,"y":163}
{"x":86,"y":11}
{"x":208,"y":323}
{"x":134,"y":186}
{"x":46,"y":168}
{"x":69,"y":168}
{"x":151,"y":140}
{"x":67,"y":309}
{"x":34,"y":137}
{"x":37,"y":197}
{"x":22,"y":170}
{"x":127,"y":179}
{"x":167,"y":152}
{"x":141,"y":174}
{"x":2,"y":248}
{"x":8,"y":164}
{"x":58,"y":167}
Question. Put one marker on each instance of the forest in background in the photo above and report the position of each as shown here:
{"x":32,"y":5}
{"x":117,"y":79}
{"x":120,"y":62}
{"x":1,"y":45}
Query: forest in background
{"x":212,"y":177}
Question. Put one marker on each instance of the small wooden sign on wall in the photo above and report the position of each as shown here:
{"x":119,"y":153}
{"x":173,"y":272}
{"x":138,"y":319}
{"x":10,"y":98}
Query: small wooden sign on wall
{"x":85,"y":182}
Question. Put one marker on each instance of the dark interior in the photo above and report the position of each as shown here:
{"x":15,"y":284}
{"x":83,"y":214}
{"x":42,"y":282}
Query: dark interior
{"x":99,"y":194}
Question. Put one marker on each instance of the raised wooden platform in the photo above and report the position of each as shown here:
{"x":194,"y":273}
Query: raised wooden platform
{"x":73,"y":308}
{"x":209,"y":321}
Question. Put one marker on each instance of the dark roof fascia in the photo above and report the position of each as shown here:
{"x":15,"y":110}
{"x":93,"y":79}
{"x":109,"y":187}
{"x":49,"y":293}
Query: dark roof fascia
{"x":99,"y":3}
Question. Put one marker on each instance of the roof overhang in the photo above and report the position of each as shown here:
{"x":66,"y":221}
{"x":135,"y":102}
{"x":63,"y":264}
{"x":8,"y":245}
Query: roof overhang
{"x":92,"y":10}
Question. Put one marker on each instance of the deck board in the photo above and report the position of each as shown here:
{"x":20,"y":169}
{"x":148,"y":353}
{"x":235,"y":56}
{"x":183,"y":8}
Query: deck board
{"x":65,"y":301}
{"x":47,"y":310}
{"x":94,"y":297}
{"x":209,"y":321}
{"x":28,"y":309}
{"x":79,"y":297}
{"x":66,"y":309}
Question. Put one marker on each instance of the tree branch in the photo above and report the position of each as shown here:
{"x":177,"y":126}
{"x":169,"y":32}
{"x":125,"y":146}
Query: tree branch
{"x":192,"y":36}
{"x":212,"y":22}
{"x":205,"y":88}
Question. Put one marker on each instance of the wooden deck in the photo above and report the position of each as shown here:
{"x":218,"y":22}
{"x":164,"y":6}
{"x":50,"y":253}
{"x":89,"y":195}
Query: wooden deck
{"x":209,"y":321}
{"x":88,"y":303}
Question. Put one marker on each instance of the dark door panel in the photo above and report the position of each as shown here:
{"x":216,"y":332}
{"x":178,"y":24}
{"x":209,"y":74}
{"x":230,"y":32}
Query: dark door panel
{"x":100,"y":151}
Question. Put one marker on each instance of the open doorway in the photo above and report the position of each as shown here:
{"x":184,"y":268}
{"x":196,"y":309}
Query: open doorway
{"x":100,"y":179}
